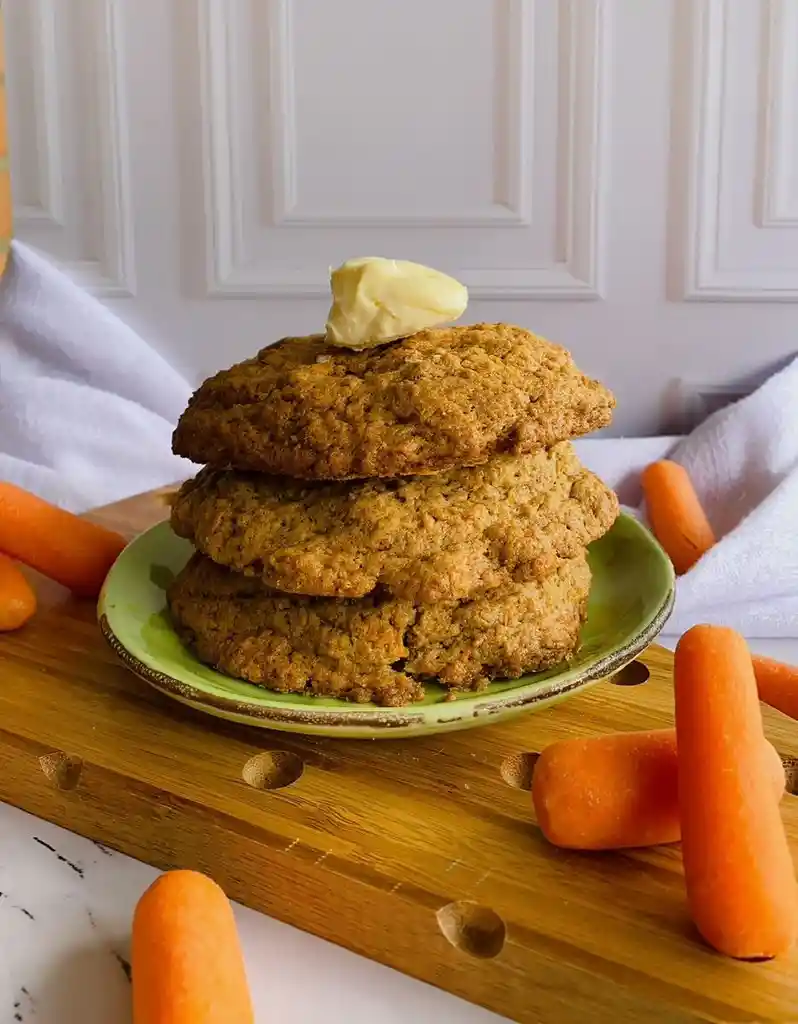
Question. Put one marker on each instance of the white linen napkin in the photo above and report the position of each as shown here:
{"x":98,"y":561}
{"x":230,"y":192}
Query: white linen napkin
{"x":743,"y":462}
{"x":87,"y":407}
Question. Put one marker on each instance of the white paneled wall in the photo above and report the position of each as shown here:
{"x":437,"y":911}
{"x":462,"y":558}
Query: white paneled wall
{"x":619,"y":175}
{"x":69,"y":137}
{"x":743,"y":152}
{"x":467,"y":135}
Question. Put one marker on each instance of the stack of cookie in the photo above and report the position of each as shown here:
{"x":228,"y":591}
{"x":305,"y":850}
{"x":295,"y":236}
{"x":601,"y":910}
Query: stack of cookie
{"x":368,"y":522}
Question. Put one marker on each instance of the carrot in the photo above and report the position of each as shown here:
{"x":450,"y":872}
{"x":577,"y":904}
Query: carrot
{"x":68,"y":549}
{"x":675,"y":513}
{"x":187,"y":966}
{"x":777,"y":684}
{"x":616,"y":791}
{"x":17,"y":599}
{"x":740,"y":880}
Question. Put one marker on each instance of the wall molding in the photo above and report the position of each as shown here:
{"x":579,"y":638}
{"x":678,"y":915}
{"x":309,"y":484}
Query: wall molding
{"x":112,"y":273}
{"x":577,"y":274}
{"x":514,"y":85}
{"x":779,"y":112}
{"x":49,"y":163}
{"x":115,"y":272}
{"x":704,"y":277}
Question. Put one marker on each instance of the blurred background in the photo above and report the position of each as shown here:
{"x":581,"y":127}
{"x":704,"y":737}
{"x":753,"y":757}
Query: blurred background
{"x":619,"y":176}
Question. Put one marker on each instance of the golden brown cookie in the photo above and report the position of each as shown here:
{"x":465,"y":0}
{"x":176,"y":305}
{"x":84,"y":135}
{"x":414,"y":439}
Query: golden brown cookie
{"x":375,"y":648}
{"x":440,"y":399}
{"x":445,"y":537}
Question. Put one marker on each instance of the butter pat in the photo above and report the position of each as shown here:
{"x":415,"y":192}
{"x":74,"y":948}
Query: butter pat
{"x":376,"y":300}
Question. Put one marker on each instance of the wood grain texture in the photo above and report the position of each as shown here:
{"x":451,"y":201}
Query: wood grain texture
{"x":374,"y":841}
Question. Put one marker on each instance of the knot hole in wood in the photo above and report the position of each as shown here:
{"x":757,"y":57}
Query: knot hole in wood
{"x":790,"y":775}
{"x":61,"y":769}
{"x":273,"y":769}
{"x":472,"y":928}
{"x":517,"y":770}
{"x":632,"y":674}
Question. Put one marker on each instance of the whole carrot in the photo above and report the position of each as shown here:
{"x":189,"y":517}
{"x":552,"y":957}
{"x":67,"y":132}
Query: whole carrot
{"x":677,"y":519}
{"x":58,"y":544}
{"x":738,"y":870}
{"x":187,"y":966}
{"x":17,"y":598}
{"x":777,"y":684}
{"x":618,"y":790}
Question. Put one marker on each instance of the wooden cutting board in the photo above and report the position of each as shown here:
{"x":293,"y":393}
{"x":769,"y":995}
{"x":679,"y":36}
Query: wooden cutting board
{"x":418,"y":853}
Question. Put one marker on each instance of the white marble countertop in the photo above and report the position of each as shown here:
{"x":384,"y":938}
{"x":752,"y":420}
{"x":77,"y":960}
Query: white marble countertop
{"x":65,"y":910}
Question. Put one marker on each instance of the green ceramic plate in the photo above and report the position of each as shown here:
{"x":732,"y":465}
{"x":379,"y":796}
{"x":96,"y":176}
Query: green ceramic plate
{"x":630,"y":600}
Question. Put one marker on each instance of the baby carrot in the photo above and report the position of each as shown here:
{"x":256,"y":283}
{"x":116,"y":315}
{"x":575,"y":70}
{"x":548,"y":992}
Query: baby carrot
{"x":777,"y":684}
{"x":17,"y":599}
{"x":58,"y":544}
{"x":677,"y":519}
{"x":738,"y":870}
{"x":617,"y":790}
{"x":187,"y":966}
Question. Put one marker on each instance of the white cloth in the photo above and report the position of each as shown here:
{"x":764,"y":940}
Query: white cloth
{"x":743,"y":462}
{"x":87,"y":409}
{"x":86,"y":406}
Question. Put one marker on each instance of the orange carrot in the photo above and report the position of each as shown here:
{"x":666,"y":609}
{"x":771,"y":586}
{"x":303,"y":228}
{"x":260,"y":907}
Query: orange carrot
{"x":17,"y":599}
{"x":187,"y":966}
{"x":617,"y":790}
{"x":740,"y":880}
{"x":68,"y":549}
{"x":777,"y":684}
{"x":675,"y":513}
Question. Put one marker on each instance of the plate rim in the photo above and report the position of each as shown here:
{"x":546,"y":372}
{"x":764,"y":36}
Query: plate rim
{"x":389,"y":719}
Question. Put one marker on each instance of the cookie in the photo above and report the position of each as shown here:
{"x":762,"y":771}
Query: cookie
{"x":375,"y":648}
{"x":437,"y":400}
{"x":426,"y":538}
